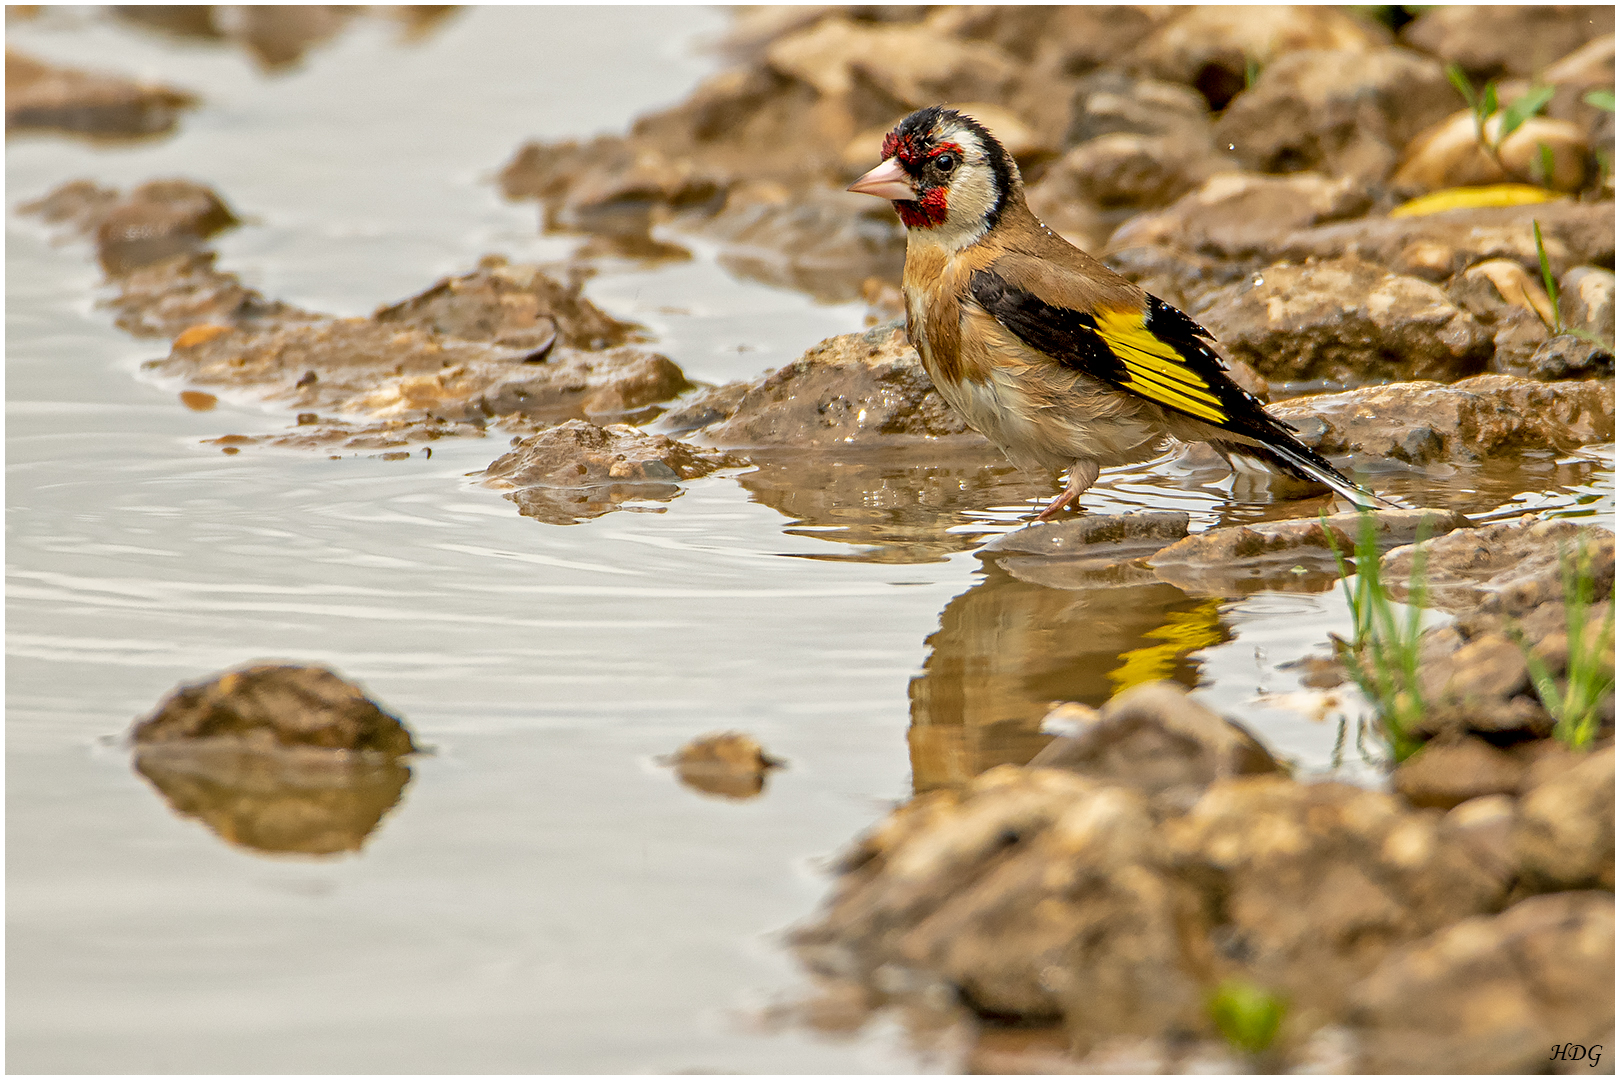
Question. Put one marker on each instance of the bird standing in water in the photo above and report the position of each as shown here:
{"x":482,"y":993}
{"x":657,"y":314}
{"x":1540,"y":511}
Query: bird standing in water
{"x":1055,"y":358}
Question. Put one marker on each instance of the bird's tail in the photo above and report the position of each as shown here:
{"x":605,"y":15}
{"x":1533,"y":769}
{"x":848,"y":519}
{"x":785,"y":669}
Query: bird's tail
{"x":1298,"y":460}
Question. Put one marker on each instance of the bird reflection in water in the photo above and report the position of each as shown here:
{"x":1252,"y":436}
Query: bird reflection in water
{"x":1007,"y":649}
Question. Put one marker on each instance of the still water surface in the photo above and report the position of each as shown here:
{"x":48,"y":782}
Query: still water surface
{"x":545,"y":897}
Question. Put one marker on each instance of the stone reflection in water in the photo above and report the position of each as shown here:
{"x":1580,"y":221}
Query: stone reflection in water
{"x":282,"y":758}
{"x":267,"y":803}
{"x":904,"y":505}
{"x":1007,"y":649}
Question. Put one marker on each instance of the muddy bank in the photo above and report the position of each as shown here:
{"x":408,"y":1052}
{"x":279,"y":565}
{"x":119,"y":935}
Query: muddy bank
{"x":1111,"y":886}
{"x":276,"y":758}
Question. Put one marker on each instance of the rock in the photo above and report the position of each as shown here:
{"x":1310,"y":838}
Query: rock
{"x":1286,"y":556}
{"x":1157,"y":740}
{"x":1564,"y":834}
{"x":1448,"y":154}
{"x":40,"y":97}
{"x":1483,"y":826}
{"x":851,"y":391}
{"x":1344,"y":113}
{"x":515,"y":306}
{"x":1240,"y":215}
{"x":271,"y":708}
{"x":1477,"y":419}
{"x":80,"y":204}
{"x":913,"y":65}
{"x":1176,"y":275}
{"x":1090,"y":550}
{"x":156,"y":221}
{"x":1049,"y":47}
{"x":1510,"y":40}
{"x":1493,"y":992}
{"x":1211,"y":48}
{"x":1320,"y":881}
{"x":1586,"y":301}
{"x":1346,"y":321}
{"x":1086,"y":194}
{"x":1113,"y":101}
{"x":611,"y":184}
{"x":1240,"y":559}
{"x":276,"y":37}
{"x":315,"y":432}
{"x":390,"y":371}
{"x":1036,"y":892}
{"x":1437,"y":246}
{"x":1445,"y":775}
{"x":576,"y":470}
{"x":1509,"y":568}
{"x":1569,"y":357}
{"x":1489,"y":666}
{"x":1507,"y":300}
{"x":825,"y":243}
{"x":729,"y":764}
{"x":165,"y":299}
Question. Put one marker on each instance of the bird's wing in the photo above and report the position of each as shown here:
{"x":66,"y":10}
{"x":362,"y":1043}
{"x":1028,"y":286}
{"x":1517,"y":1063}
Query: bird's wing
{"x":1147,"y":349}
{"x":1141,"y":345}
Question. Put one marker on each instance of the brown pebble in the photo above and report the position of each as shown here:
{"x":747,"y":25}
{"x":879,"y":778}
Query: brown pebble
{"x":199,"y":334}
{"x":730,"y":764}
{"x":197,"y":401}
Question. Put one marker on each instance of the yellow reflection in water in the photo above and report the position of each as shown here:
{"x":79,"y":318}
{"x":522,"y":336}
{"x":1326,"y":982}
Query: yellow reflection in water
{"x":1007,"y":649}
{"x":1183,"y":632}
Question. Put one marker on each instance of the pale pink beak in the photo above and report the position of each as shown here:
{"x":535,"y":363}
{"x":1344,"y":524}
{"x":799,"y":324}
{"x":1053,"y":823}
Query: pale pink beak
{"x":887,"y":181}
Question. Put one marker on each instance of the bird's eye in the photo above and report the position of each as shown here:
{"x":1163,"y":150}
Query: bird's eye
{"x":945,"y":162}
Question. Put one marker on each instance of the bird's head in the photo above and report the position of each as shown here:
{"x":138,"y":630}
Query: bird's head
{"x":946,"y":175}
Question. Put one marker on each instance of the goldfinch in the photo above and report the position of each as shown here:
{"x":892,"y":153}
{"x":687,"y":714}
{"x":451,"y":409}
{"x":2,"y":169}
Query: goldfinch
{"x":1055,"y":358}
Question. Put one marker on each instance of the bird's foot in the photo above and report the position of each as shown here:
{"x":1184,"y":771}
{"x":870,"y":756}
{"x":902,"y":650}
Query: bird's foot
{"x":1056,"y":506}
{"x":1082,"y":476}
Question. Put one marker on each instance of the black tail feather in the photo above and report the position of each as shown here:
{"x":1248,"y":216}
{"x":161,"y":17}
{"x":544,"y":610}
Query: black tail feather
{"x":1300,"y":461}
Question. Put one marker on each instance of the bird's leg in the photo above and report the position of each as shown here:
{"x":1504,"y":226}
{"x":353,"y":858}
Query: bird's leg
{"x":1082,"y":476}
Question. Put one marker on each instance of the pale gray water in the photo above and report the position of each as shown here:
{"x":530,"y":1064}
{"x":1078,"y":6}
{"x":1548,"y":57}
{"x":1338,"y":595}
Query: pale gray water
{"x":545,"y":898}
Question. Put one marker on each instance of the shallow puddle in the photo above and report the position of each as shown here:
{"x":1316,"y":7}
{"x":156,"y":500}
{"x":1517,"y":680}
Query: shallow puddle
{"x":539,"y":893}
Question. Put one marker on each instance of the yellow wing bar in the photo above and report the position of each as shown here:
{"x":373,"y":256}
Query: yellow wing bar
{"x":1154,"y":369}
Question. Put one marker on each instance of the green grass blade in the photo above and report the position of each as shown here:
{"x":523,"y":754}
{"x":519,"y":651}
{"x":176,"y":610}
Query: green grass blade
{"x":1459,"y":79}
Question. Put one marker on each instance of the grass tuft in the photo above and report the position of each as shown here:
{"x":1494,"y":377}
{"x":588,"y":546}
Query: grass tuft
{"x":1484,"y":105}
{"x":1589,"y":672}
{"x":1382,"y":657}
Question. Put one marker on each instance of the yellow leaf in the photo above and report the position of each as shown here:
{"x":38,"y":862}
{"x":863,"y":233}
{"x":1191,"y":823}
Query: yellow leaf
{"x":1468,"y":198}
